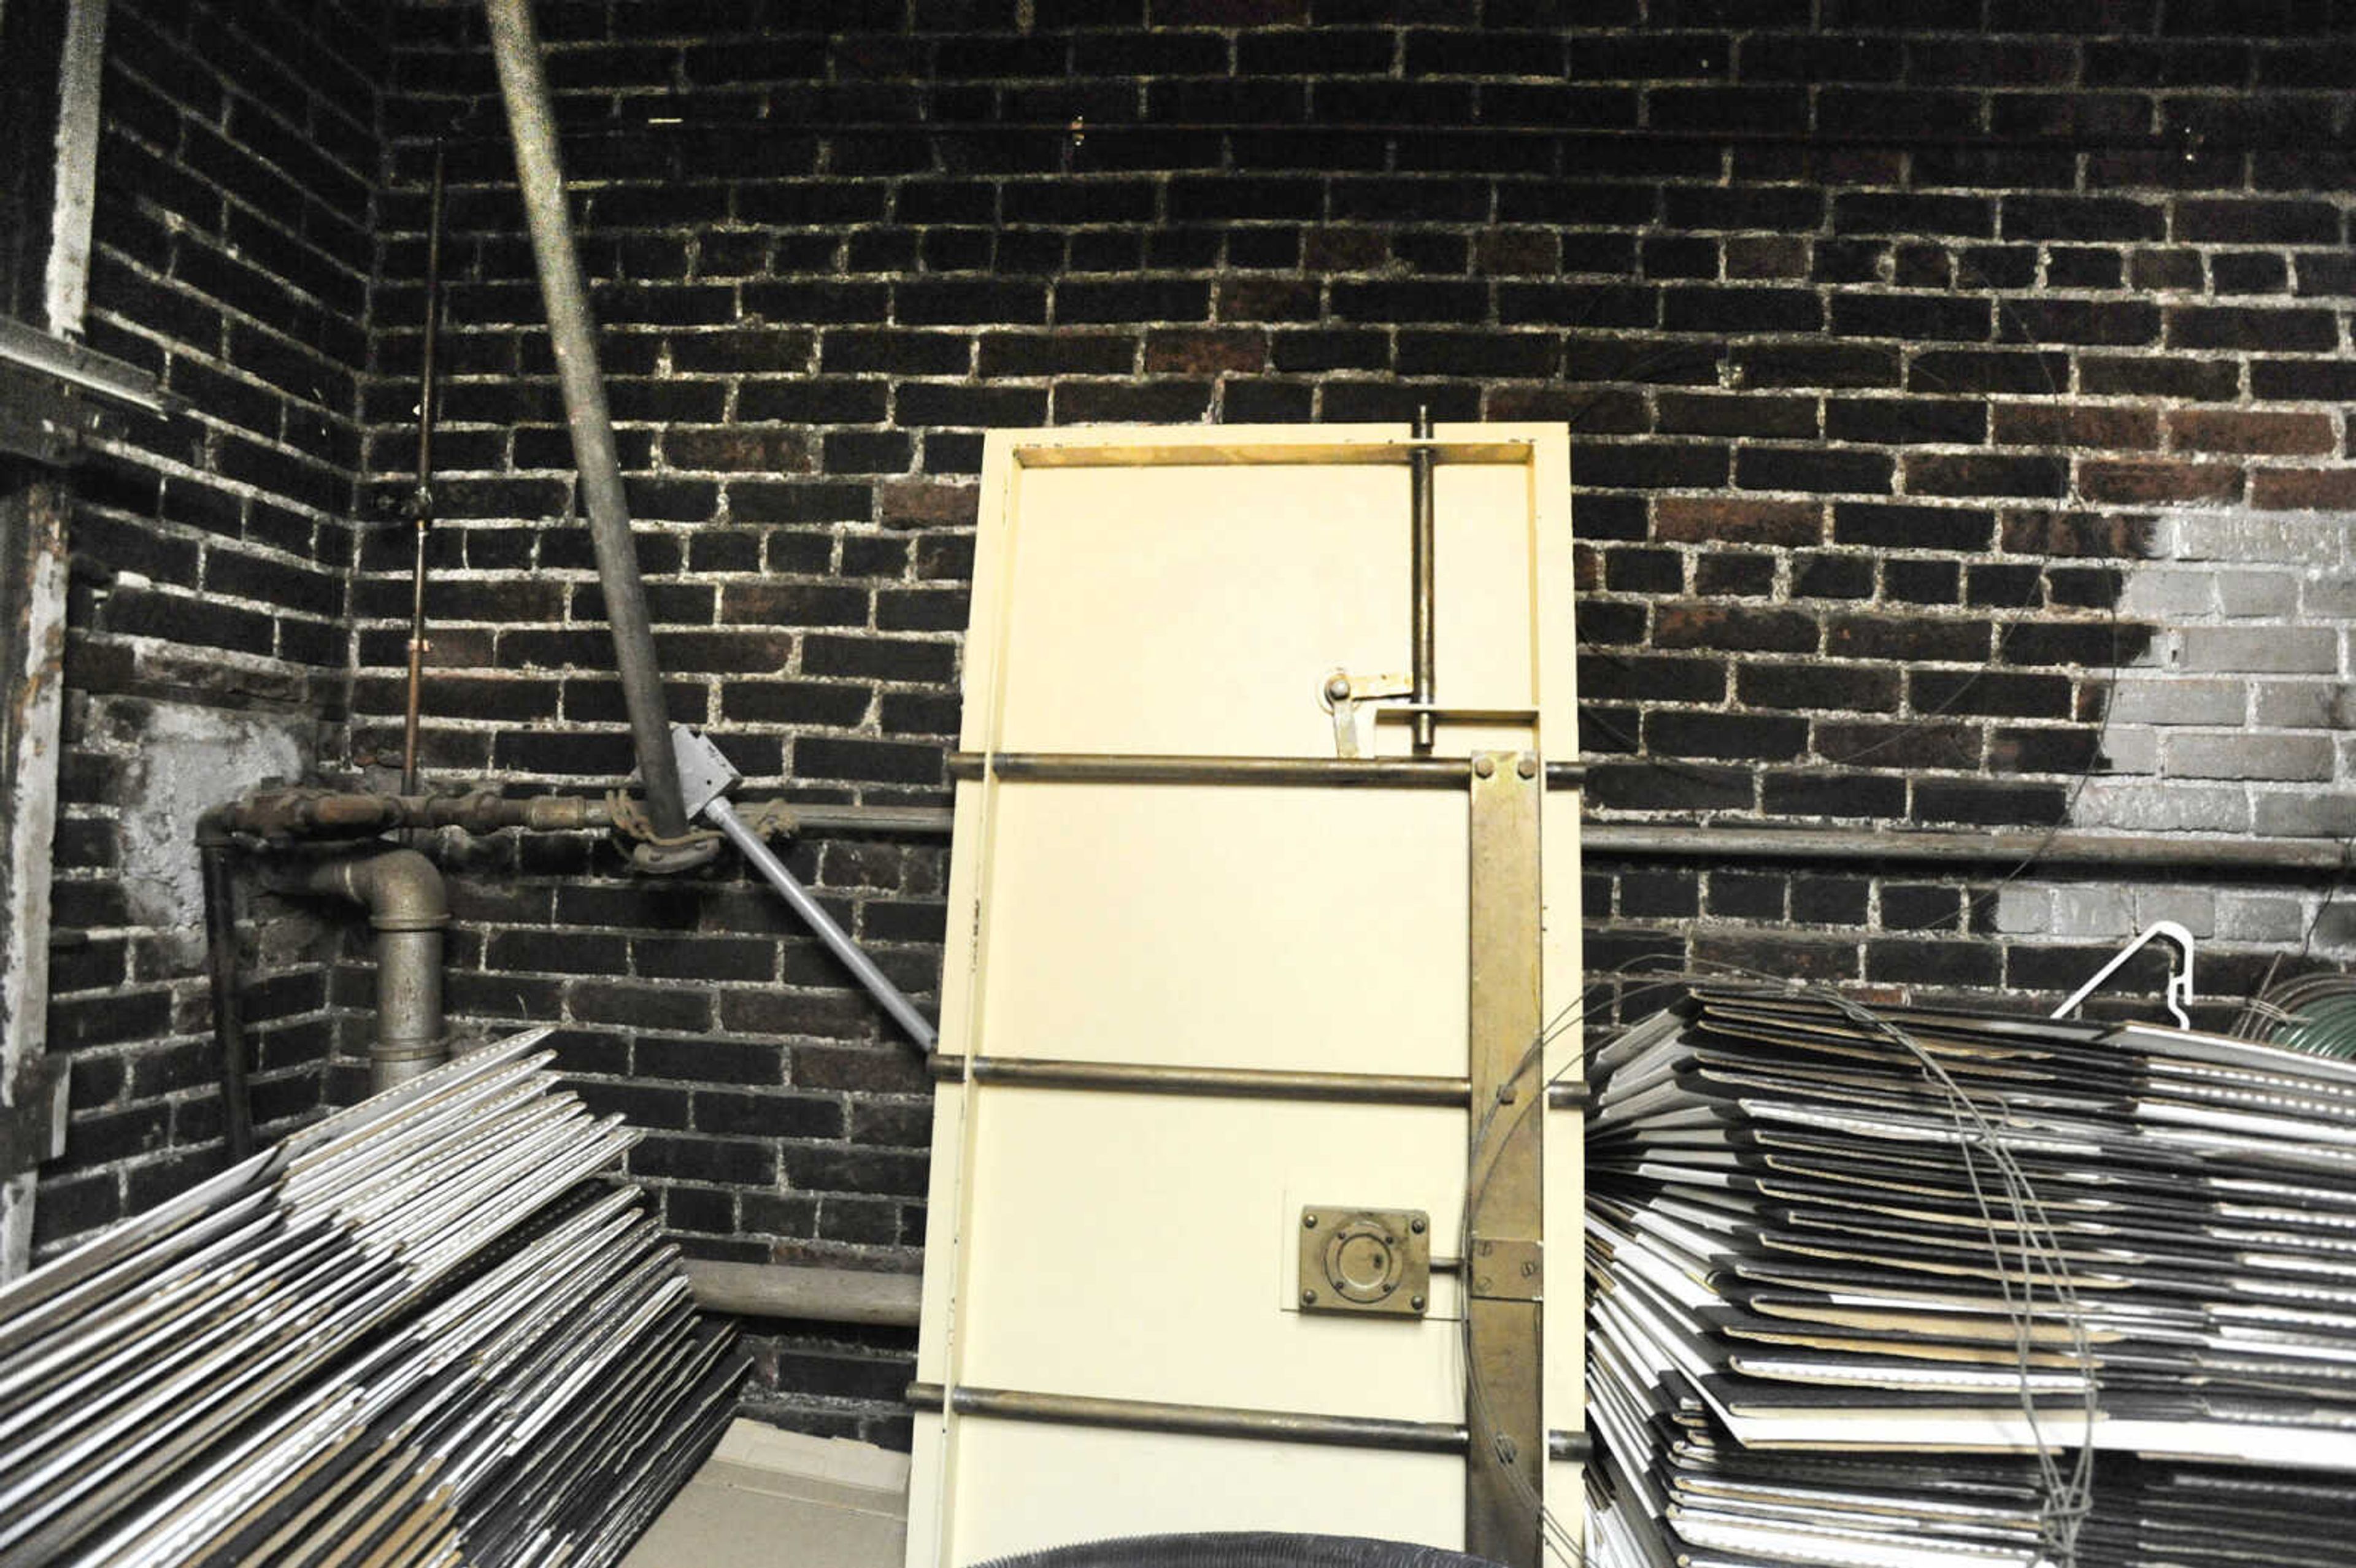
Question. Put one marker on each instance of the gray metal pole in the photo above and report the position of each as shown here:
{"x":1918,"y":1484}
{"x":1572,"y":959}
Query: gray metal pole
{"x":721,"y":814}
{"x":523,"y":82}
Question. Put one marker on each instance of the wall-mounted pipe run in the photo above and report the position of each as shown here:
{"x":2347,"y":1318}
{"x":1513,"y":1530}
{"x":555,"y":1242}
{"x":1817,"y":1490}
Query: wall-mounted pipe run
{"x":291,"y":815}
{"x":221,"y":967}
{"x":572,"y":332}
{"x":810,"y":1295}
{"x":402,"y":892}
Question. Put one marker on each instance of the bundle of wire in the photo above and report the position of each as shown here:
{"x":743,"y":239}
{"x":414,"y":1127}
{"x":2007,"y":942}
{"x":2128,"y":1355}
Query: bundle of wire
{"x":420,"y":1331}
{"x":1892,"y":1289}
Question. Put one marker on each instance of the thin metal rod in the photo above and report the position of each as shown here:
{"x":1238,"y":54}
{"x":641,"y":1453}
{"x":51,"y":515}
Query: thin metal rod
{"x":1196,"y":1420}
{"x":889,"y":997}
{"x":1316,"y":772}
{"x":1686,"y":840}
{"x":421,"y":503}
{"x":1420,"y":581}
{"x":523,"y":83}
{"x":1890,"y":138}
{"x":229,"y":1023}
{"x":924,"y":820}
{"x":1334,"y":450}
{"x":2119,"y":850}
{"x":1233,"y":1083}
{"x":1220,"y":1421}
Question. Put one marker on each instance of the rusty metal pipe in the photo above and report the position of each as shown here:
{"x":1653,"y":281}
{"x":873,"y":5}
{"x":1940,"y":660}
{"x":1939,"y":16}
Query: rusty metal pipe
{"x":292,"y":814}
{"x":809,"y":1293}
{"x":572,"y":332}
{"x":409,"y":907}
{"x":229,"y":1022}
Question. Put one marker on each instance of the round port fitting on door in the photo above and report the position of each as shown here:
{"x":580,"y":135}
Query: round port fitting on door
{"x":1374,"y":1261}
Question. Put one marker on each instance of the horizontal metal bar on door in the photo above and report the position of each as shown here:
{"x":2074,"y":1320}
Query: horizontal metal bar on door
{"x":1231,"y":1082}
{"x":1308,"y":773}
{"x":1399,"y":450}
{"x":1217,"y":1421}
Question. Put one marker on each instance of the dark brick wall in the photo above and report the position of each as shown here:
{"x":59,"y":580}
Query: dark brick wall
{"x":1959,"y":405}
{"x":210,"y":636}
{"x":1960,"y":421}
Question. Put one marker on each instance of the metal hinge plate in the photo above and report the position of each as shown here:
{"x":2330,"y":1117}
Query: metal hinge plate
{"x":1508,"y":1270}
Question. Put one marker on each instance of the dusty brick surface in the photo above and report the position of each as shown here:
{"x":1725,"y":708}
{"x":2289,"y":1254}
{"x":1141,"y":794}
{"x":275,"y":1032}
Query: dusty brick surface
{"x":1888,"y":455}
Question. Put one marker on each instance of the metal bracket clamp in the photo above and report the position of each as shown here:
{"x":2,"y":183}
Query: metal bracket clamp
{"x":1508,"y":1270}
{"x":33,"y":1128}
{"x":1367,"y":1262}
{"x":1343,"y":694}
{"x":47,"y":388}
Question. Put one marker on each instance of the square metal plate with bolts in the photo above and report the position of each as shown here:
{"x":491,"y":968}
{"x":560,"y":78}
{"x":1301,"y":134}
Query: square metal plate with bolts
{"x":1372,"y":1262}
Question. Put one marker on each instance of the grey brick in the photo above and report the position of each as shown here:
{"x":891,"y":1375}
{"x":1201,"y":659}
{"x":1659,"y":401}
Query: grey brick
{"x":2129,"y":748}
{"x":2194,"y":909}
{"x":2178,"y":699}
{"x":2335,"y":927}
{"x":2248,"y":755}
{"x":2093,"y":911}
{"x":2254,"y":537}
{"x":2332,"y":594}
{"x":2264,"y":650}
{"x":2023,"y":910}
{"x":2162,"y":807}
{"x":2249,"y":595}
{"x":2303,"y":813}
{"x":2170,"y":594}
{"x":2306,"y":704}
{"x":2244,"y":917}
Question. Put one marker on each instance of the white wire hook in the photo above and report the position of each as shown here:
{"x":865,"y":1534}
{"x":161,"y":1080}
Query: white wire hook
{"x":2179,"y":981}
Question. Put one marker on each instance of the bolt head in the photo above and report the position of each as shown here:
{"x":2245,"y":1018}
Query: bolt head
{"x":1338,"y":688}
{"x":1416,"y":1302}
{"x":1307,"y":1298}
{"x":1308,"y":1222}
{"x":1417,"y":1224}
{"x":1528,"y":766}
{"x":1484,"y":765}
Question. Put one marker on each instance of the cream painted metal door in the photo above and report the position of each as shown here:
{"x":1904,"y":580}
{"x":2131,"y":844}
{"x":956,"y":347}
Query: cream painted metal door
{"x":1204,"y":973}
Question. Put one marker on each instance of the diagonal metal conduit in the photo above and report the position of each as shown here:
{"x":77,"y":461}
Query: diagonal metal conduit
{"x":532,"y":118}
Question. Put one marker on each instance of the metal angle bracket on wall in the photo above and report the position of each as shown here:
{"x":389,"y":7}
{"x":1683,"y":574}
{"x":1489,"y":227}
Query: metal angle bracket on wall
{"x":55,"y":395}
{"x":33,"y":1124}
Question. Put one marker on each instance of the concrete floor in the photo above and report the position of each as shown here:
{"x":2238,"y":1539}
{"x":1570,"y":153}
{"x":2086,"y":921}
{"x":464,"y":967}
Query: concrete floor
{"x":767,"y":1497}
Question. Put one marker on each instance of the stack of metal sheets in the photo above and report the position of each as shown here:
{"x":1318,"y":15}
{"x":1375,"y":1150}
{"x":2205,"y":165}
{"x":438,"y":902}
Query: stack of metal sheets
{"x":417,"y":1332}
{"x":1900,"y":1287}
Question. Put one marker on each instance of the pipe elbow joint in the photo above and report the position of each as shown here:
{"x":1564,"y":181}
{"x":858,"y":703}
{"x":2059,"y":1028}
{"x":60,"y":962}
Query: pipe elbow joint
{"x":402,"y":890}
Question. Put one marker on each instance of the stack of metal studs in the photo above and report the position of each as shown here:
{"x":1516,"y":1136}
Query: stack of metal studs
{"x":420,"y":1331}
